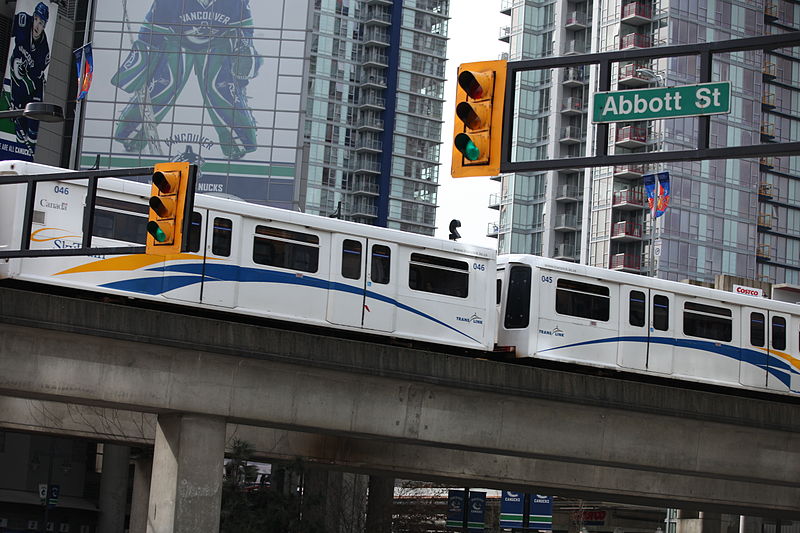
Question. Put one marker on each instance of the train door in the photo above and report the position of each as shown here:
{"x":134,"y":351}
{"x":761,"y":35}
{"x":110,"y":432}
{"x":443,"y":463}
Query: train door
{"x":348,"y":276}
{"x":753,"y":358}
{"x":380,"y":304}
{"x":661,"y":343}
{"x":633,"y":328}
{"x":778,"y":373}
{"x":363,"y":283}
{"x":213,"y":276}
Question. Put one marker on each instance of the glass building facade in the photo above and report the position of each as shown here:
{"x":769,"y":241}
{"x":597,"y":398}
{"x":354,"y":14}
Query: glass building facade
{"x":375,"y":98}
{"x":725,"y":216}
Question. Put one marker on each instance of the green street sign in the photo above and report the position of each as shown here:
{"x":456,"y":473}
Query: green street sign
{"x":662,"y":102}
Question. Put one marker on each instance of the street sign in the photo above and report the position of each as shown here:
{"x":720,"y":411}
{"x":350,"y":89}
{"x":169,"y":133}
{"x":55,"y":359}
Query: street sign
{"x":662,"y":102}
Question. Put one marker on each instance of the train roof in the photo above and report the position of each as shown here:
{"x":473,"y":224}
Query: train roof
{"x":243,"y":208}
{"x":604,"y":274}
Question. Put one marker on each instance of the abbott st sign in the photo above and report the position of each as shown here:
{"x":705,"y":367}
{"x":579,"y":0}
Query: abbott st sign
{"x":662,"y":102}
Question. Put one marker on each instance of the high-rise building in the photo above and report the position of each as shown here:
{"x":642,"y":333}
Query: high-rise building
{"x":725,"y":216}
{"x":374,"y":111}
{"x":333,"y":107}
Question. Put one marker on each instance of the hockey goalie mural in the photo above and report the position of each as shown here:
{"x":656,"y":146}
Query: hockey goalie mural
{"x":213,"y":82}
{"x":26,"y":73}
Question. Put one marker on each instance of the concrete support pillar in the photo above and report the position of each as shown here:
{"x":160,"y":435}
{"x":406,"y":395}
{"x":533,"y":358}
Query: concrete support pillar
{"x":113,"y":489}
{"x":337,"y":500}
{"x":186,"y":485}
{"x":751,"y":524}
{"x":379,"y":504}
{"x":140,"y":498}
{"x":693,"y":522}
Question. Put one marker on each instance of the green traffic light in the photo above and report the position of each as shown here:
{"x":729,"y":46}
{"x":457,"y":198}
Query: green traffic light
{"x":465,"y":145}
{"x":155,"y":230}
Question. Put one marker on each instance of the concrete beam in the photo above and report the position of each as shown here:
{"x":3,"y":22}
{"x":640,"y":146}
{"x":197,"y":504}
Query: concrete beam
{"x":533,"y":426}
{"x":408,"y":461}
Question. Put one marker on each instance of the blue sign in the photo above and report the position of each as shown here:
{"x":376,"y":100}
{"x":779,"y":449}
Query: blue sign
{"x":511,"y":509}
{"x":52,"y":500}
{"x":541,"y":516}
{"x":476,"y":510}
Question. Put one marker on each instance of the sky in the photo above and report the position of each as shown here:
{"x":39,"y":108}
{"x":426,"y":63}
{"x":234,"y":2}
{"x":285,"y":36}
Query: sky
{"x":473,"y":31}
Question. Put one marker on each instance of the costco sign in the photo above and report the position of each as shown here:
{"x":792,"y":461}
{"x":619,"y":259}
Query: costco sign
{"x":749,"y":291}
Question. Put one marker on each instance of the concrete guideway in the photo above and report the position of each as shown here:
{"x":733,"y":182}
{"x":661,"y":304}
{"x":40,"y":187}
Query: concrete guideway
{"x":410,"y":413}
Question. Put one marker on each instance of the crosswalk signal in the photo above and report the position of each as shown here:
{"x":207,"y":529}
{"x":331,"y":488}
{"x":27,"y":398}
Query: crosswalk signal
{"x":171,"y":203}
{"x":480,"y":94}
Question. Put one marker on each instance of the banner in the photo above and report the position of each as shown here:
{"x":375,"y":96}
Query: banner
{"x":84,"y":64}
{"x":26,"y":73}
{"x":658,"y":193}
{"x":476,"y":510}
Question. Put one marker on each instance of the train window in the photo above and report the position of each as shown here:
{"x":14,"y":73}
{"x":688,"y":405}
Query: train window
{"x":119,"y":220}
{"x":707,"y":322}
{"x":585,"y":300}
{"x":351,"y":259}
{"x":779,"y":333}
{"x":286,"y":249}
{"x":660,"y":312}
{"x":379,"y":270}
{"x":636,"y":308}
{"x":195,"y":224}
{"x":438,"y":275}
{"x":221,"y":238}
{"x":518,"y":298}
{"x":757,"y":329}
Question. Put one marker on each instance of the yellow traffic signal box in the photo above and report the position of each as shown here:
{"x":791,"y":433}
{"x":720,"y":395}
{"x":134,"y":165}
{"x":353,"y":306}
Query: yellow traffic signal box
{"x":171,"y":203}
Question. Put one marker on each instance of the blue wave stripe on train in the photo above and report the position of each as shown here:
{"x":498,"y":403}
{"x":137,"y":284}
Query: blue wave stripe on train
{"x":772,"y":364}
{"x":155,"y":286}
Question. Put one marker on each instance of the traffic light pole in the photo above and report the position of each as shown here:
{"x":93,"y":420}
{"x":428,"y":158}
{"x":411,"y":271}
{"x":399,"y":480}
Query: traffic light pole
{"x":88,"y":213}
{"x":605,"y":61}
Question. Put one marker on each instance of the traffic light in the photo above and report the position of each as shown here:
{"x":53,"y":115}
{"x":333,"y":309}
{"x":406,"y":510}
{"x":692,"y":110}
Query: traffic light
{"x":171,"y":203}
{"x":480,"y":94}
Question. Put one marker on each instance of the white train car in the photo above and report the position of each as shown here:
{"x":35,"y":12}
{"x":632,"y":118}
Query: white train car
{"x":572,"y":313}
{"x":260,"y":261}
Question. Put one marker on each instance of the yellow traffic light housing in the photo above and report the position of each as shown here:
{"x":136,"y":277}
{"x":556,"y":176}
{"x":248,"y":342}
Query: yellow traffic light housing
{"x":171,"y":203}
{"x":478,"y":130}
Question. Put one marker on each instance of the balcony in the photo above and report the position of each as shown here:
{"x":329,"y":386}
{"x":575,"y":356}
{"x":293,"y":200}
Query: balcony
{"x":769,"y":72}
{"x":370,"y":123}
{"x":373,"y":58}
{"x":376,"y":36}
{"x":631,"y":136}
{"x":378,"y":16}
{"x":371,"y":100}
{"x":626,"y":262}
{"x":364,"y":209}
{"x":379,"y":2}
{"x":373,"y":80}
{"x":505,"y":34}
{"x":764,"y":221}
{"x":567,"y":223}
{"x":768,"y":102}
{"x":574,"y":47}
{"x":569,"y":193}
{"x":770,"y":12}
{"x":365,"y":186}
{"x":763,"y":252}
{"x":629,"y":172}
{"x":635,"y":40}
{"x":575,"y":77}
{"x":566,"y":252}
{"x":637,"y":13}
{"x":573,"y":106}
{"x":572,"y":135}
{"x":369,"y":145}
{"x":577,"y":20}
{"x":630,"y":75}
{"x":628,"y":199}
{"x":765,"y":191}
{"x":625,"y":231}
{"x":505,"y":6}
{"x":367,"y":165}
{"x":767,"y":132}
{"x":495,"y":201}
{"x":766,"y":163}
